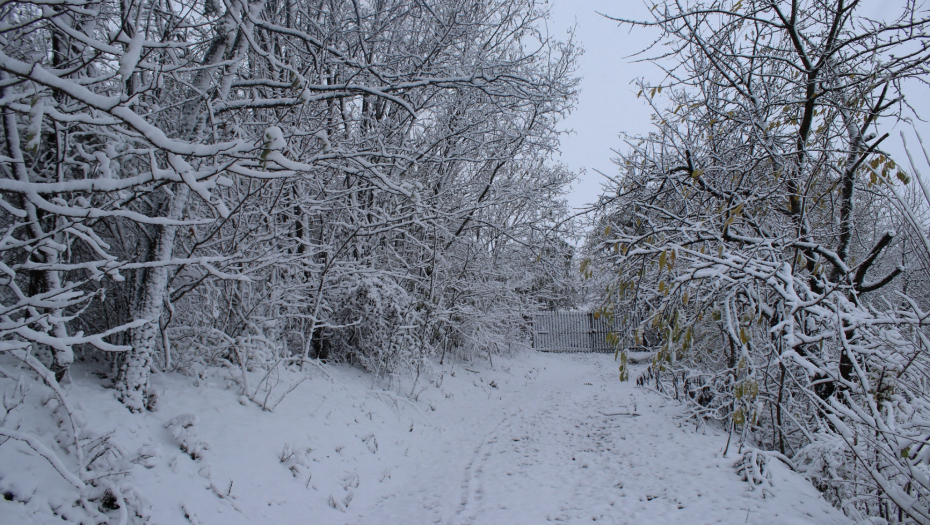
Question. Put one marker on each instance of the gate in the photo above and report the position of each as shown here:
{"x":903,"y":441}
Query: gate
{"x":570,"y":332}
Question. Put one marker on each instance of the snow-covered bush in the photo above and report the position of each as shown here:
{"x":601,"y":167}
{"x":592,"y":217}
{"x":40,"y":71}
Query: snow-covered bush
{"x":377,"y":323}
{"x":54,"y":465}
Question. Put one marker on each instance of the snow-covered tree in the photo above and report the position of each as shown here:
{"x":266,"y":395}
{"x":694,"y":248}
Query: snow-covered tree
{"x":314,"y":175}
{"x":254,"y":184}
{"x":756,"y":231}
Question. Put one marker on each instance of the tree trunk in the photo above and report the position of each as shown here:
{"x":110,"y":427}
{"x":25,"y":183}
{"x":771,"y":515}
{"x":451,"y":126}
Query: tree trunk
{"x":49,"y":280}
{"x":137,"y":363}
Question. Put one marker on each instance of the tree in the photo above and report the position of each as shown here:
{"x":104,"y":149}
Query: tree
{"x":269,"y":160}
{"x":749,"y":227}
{"x":260,"y":184}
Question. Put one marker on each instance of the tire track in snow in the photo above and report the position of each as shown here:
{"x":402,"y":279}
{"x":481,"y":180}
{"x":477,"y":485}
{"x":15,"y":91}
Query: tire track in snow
{"x":548,"y":450}
{"x":494,"y":444}
{"x":560,"y":459}
{"x":475,"y":468}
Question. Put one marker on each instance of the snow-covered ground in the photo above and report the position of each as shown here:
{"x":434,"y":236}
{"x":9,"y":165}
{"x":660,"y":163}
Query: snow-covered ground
{"x":537,"y":438}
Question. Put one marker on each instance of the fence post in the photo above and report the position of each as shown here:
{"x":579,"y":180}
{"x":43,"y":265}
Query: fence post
{"x":591,"y":344}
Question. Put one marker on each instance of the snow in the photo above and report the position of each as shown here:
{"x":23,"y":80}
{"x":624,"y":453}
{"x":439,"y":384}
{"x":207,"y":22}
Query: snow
{"x":130,"y":59}
{"x":536,"y":438}
{"x":274,"y":138}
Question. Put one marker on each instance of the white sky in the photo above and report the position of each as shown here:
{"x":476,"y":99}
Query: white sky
{"x":608,"y":104}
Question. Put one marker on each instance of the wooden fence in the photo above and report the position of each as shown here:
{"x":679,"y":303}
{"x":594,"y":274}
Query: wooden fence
{"x":570,"y":332}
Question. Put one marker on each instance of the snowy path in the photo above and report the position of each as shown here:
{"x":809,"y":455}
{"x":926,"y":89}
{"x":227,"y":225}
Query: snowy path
{"x":545,"y":452}
{"x":524,"y":442}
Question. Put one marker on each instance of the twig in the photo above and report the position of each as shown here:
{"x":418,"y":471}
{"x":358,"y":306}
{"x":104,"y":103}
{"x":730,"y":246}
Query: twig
{"x":289,"y":390}
{"x":631,"y":414}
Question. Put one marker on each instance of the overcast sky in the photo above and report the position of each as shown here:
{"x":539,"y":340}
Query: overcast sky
{"x":608,"y":103}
